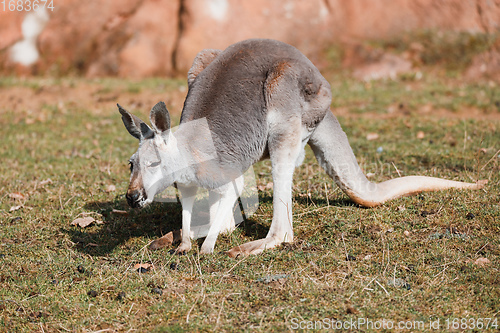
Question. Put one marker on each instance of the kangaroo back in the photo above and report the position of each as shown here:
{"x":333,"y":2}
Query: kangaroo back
{"x":231,"y":94}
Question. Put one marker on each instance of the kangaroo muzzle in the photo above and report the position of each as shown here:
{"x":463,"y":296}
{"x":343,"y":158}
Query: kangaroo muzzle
{"x":136,"y":198}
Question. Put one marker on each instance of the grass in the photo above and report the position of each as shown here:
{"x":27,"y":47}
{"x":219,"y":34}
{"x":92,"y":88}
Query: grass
{"x":452,"y":49}
{"x":411,"y":260}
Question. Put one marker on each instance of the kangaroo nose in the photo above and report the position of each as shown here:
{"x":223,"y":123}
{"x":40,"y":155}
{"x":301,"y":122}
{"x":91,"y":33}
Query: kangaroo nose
{"x":133,"y":198}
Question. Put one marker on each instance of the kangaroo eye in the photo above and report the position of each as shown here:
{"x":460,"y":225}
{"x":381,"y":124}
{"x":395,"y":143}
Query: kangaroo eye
{"x":154,"y":164}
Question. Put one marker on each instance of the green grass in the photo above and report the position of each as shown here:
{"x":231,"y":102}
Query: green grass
{"x":61,"y":159}
{"x":452,"y":49}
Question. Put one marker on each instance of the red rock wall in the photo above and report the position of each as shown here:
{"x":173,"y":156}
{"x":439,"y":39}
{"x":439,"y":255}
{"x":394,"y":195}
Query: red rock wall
{"x":139,"y":38}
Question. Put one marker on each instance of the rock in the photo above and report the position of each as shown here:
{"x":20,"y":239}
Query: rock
{"x":92,"y":293}
{"x":10,"y":26}
{"x":25,"y":51}
{"x":153,"y":30}
{"x":121,"y":296}
{"x":470,"y":216}
{"x":140,"y":38}
{"x":220,"y":23}
{"x":372,"y":136}
{"x":131,"y":38}
{"x":157,"y":290}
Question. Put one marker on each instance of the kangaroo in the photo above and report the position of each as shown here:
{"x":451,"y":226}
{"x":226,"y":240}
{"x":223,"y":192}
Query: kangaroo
{"x":257,"y":99}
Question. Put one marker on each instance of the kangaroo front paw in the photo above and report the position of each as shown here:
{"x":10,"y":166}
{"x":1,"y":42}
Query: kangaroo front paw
{"x":183,"y":248}
{"x":254,"y":247}
{"x":206,"y":249}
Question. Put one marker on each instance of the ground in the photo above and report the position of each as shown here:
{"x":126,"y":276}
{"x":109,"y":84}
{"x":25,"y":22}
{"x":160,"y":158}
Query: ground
{"x":430,"y":258}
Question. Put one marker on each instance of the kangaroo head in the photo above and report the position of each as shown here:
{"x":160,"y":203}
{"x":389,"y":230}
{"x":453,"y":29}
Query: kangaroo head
{"x":146,"y":175}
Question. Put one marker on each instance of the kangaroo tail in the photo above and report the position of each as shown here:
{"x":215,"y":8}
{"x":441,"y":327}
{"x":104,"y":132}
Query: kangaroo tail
{"x":333,"y":152}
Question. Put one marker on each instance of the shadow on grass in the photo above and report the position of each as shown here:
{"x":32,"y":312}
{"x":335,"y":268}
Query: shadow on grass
{"x":158,"y":219}
{"x":153,"y":221}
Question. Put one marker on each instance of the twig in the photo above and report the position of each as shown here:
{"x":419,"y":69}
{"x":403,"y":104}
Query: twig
{"x":326,"y":195}
{"x":381,"y":286}
{"x":345,"y":249}
{"x":395,"y":167}
{"x":234,"y":266}
{"x":482,"y":247}
{"x":366,"y":287}
{"x":218,"y":315}
{"x":189,"y":312}
{"x":491,"y":159}
{"x":311,"y":211}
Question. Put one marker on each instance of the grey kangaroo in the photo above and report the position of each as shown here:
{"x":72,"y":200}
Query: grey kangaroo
{"x":257,"y":99}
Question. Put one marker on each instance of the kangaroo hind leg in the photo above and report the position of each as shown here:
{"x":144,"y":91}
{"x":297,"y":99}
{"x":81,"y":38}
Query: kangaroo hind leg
{"x":284,"y":149}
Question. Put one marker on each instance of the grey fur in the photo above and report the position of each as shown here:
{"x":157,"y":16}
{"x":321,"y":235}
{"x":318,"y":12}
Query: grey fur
{"x":232,"y":94}
{"x":260,"y":99}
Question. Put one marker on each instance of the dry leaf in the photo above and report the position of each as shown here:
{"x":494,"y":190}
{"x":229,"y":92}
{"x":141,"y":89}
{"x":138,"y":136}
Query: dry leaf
{"x":268,"y":186}
{"x":144,"y":265}
{"x":85,"y":221}
{"x":17,"y":196}
{"x":372,"y":136}
{"x":110,"y":188}
{"x":420,"y":135}
{"x":482,"y":262}
{"x":351,"y":309}
{"x":406,"y":233}
{"x":120,"y":212}
{"x":14,"y":208}
{"x":45,"y":182}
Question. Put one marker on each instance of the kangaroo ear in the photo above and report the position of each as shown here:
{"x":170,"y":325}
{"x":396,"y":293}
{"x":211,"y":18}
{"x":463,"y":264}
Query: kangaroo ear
{"x":160,"y":119}
{"x":202,"y":60}
{"x":136,"y":127}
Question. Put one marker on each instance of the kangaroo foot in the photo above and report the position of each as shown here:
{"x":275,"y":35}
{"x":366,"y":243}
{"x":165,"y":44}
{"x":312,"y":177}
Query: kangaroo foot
{"x":254,"y":247}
